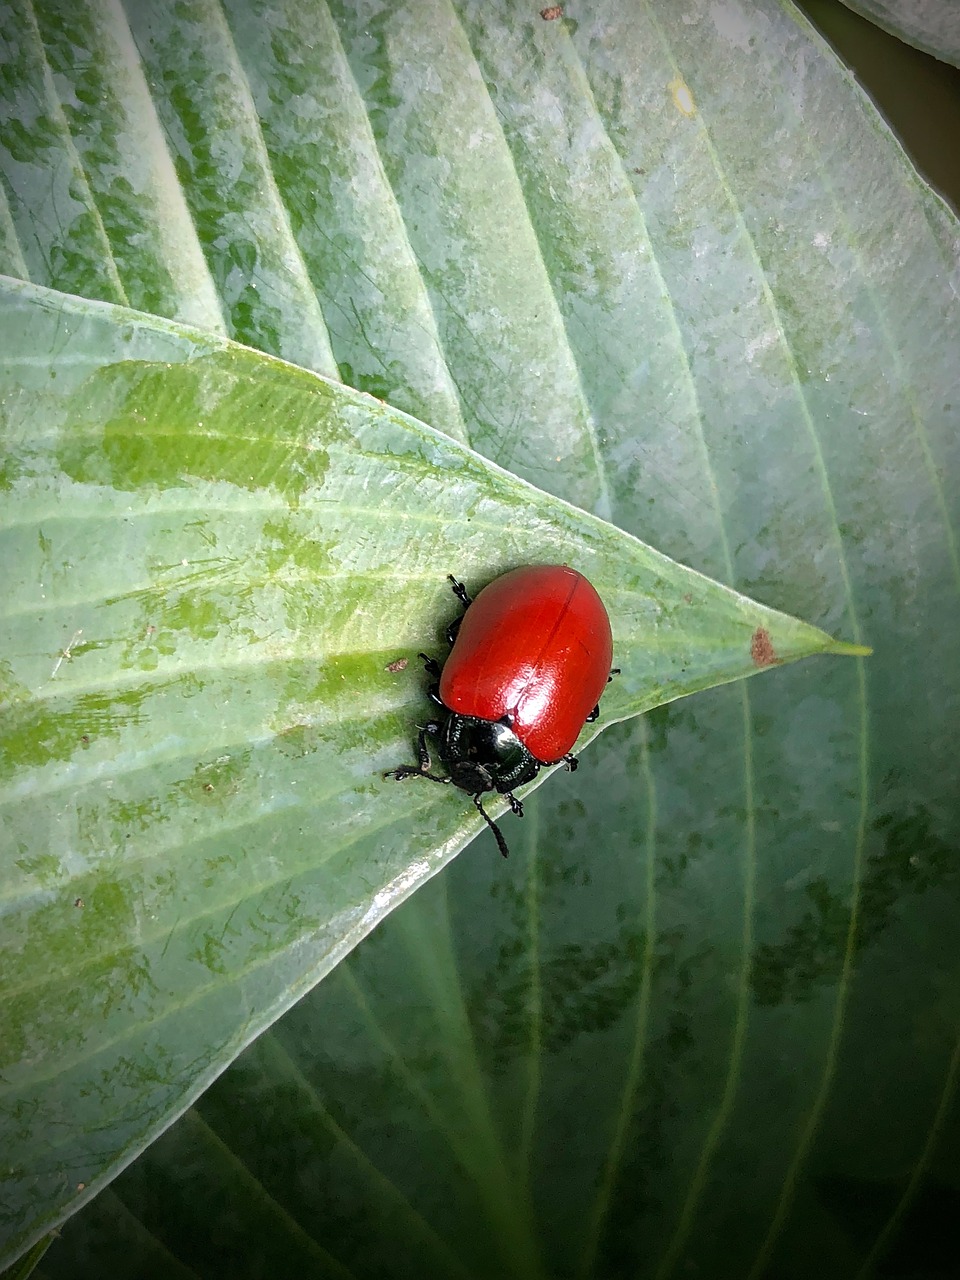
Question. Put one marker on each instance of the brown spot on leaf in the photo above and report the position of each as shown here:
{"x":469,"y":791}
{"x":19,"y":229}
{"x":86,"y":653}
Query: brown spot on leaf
{"x":398,"y":664}
{"x":551,"y":13}
{"x":761,"y":649}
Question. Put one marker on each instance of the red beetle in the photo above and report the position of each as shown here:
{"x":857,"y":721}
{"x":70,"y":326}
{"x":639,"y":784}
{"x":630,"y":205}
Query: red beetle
{"x":529,"y":661}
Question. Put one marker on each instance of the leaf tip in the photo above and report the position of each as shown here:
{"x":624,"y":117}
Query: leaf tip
{"x":845,"y":650}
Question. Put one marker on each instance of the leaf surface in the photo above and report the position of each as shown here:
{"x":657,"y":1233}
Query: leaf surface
{"x":670,"y":265}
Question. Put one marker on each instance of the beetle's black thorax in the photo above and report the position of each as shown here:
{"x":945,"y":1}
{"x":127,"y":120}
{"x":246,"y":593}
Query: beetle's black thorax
{"x":484,"y":755}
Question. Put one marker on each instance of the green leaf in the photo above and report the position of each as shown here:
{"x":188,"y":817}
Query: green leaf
{"x":216,"y":559}
{"x":667,"y":263}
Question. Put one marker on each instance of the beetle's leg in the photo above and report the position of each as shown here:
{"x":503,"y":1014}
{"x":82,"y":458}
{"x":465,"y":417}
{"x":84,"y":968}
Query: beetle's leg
{"x":515,"y":804}
{"x":422,"y":768}
{"x":412,"y":771}
{"x":595,"y":713}
{"x":430,"y":665}
{"x":432,"y":668}
{"x":571,"y":762}
{"x":423,"y":751}
{"x":501,"y":843}
{"x":460,"y":591}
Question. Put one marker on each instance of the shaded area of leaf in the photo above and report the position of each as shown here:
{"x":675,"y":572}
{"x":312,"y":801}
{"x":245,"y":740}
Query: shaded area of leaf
{"x":925,"y":1248}
{"x":915,"y":860}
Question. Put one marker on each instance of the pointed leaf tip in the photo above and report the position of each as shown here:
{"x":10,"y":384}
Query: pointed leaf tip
{"x":845,"y":650}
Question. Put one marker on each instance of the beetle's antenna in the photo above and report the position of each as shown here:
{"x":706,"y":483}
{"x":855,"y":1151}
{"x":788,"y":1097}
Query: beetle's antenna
{"x":501,"y":843}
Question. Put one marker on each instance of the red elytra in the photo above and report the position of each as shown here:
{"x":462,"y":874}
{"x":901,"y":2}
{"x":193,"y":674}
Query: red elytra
{"x":535,"y":645}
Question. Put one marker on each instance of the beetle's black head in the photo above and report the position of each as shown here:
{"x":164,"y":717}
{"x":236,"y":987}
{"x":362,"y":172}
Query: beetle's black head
{"x":485,"y":755}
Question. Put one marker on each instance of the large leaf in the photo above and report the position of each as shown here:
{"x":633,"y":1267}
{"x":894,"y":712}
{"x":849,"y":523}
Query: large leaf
{"x":669,"y":264}
{"x":214,"y":560}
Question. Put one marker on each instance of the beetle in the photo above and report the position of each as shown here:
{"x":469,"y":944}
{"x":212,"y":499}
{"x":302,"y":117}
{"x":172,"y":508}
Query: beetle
{"x":529,"y":659}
